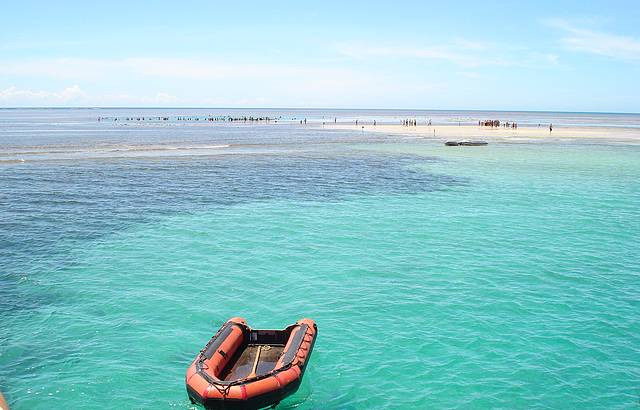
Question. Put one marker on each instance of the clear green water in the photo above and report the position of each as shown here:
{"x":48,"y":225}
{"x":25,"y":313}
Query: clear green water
{"x":505,"y":276}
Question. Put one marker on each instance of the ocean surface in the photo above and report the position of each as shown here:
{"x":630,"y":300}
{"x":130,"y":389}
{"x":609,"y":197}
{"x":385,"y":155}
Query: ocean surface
{"x":505,"y":276}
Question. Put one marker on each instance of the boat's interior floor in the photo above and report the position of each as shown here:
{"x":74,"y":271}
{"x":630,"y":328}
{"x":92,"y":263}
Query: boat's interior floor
{"x":254,"y":358}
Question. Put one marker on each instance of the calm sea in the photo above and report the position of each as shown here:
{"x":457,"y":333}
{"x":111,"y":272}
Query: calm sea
{"x":504,"y":276}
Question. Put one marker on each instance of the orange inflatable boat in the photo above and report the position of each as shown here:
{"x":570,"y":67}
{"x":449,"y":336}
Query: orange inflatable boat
{"x":3,"y":403}
{"x":244,"y":368}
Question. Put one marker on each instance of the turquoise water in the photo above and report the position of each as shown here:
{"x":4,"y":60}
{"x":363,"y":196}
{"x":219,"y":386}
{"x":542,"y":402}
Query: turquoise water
{"x":504,"y":276}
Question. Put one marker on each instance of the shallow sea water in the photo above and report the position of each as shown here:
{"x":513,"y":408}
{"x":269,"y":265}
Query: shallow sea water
{"x":504,"y":276}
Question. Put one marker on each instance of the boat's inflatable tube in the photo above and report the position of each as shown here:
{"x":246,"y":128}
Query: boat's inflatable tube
{"x":3,"y":403}
{"x":208,"y":381}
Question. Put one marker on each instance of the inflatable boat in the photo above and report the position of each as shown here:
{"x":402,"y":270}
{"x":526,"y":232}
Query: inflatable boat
{"x":244,"y":368}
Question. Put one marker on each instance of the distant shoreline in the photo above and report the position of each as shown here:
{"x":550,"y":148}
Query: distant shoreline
{"x":499,"y":134}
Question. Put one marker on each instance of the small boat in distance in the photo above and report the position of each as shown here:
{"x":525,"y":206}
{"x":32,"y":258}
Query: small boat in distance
{"x":466,"y":143}
{"x":244,"y":368}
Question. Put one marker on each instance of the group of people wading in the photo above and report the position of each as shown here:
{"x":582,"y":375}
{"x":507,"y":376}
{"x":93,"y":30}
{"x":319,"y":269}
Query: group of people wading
{"x":506,"y":124}
{"x":217,"y":118}
{"x":496,"y":124}
{"x":407,"y":122}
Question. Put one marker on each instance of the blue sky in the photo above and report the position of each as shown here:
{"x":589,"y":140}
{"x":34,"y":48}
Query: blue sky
{"x":543,"y":55}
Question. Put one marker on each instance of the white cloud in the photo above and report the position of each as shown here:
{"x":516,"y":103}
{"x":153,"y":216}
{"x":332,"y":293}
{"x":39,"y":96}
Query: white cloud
{"x":470,"y":58}
{"x":164,"y":98}
{"x":16,"y":95}
{"x":552,"y":59}
{"x":75,"y":96}
{"x":198,"y":69}
{"x":467,"y":54}
{"x":469,"y":74}
{"x":204,"y":82}
{"x":597,"y":42}
{"x":159,"y":99}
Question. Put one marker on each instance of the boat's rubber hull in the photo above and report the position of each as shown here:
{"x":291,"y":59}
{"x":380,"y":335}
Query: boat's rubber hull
{"x":207,"y":381}
{"x":257,"y":402}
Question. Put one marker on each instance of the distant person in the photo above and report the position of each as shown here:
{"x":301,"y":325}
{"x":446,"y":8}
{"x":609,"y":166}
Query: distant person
{"x":550,"y":128}
{"x":374,"y":122}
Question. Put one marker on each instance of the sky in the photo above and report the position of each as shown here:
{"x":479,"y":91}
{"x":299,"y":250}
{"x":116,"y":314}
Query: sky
{"x":503,"y":55}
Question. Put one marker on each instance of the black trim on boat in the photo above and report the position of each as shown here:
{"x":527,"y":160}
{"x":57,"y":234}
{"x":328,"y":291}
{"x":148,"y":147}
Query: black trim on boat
{"x":217,"y":340}
{"x":290,"y":354}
